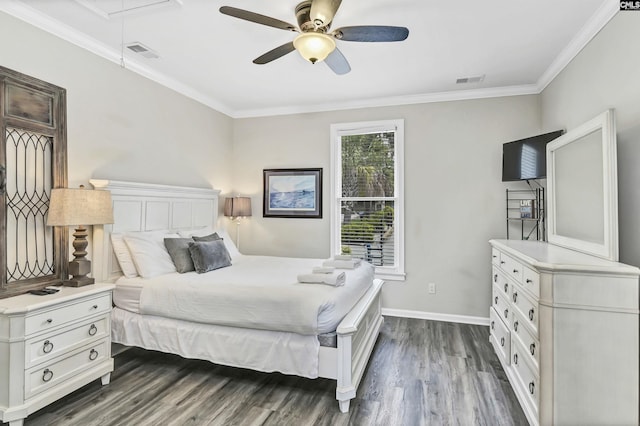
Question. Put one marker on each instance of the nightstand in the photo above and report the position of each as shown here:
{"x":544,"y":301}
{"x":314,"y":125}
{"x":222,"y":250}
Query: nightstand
{"x":52,"y":345}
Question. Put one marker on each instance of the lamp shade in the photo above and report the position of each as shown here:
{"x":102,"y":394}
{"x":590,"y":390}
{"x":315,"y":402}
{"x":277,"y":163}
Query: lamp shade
{"x":79,"y":206}
{"x":237,"y":206}
{"x":314,"y":47}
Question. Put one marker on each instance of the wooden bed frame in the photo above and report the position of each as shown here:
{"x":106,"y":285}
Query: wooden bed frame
{"x":148,"y":207}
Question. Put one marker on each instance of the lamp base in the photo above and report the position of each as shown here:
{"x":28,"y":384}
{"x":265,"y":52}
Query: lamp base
{"x":78,"y":282}
{"x":79,"y":268}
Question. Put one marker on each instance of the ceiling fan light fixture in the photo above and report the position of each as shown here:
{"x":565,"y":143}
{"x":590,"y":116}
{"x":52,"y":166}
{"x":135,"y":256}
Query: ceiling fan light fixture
{"x":314,"y":47}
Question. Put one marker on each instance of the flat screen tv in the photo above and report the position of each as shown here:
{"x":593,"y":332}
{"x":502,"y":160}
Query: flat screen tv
{"x":526,"y":159}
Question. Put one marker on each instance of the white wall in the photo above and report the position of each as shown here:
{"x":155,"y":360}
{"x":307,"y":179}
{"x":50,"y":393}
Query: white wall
{"x":121,"y":125}
{"x":453,"y":191}
{"x":606,"y":75}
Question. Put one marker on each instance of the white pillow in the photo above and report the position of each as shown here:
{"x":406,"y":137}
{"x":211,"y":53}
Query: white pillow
{"x":149,"y":252}
{"x":202,"y":232}
{"x":123,"y":255}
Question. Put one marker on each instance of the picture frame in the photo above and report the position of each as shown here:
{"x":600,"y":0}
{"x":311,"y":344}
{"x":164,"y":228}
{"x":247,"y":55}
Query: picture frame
{"x":527,"y":209}
{"x":292,"y":193}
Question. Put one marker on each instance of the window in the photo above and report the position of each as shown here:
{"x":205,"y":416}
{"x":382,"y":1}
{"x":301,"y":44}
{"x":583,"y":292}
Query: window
{"x":367,"y":194}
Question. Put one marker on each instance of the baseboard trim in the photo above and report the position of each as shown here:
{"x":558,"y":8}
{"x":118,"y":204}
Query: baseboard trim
{"x":434,"y":316}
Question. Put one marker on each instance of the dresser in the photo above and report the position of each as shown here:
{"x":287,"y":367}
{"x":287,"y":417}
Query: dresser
{"x":52,"y":345}
{"x":565,"y":327}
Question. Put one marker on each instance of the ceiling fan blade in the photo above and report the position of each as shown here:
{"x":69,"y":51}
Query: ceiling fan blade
{"x":337,"y":62}
{"x":274,"y":54}
{"x":323,"y":11}
{"x":257,"y":18}
{"x":371,"y":33}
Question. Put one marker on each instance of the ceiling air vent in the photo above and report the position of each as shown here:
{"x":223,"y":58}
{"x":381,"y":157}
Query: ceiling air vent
{"x":142,"y":50}
{"x":475,"y":79}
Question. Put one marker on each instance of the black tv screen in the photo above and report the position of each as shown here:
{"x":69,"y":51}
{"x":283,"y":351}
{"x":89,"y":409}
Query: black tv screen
{"x":526,"y":159}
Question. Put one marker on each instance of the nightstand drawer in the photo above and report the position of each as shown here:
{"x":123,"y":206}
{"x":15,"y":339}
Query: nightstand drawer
{"x":63,"y":314}
{"x":43,"y":348}
{"x":42,"y":378}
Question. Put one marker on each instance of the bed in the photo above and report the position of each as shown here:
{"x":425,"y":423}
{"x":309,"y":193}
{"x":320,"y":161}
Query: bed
{"x":274,"y":330}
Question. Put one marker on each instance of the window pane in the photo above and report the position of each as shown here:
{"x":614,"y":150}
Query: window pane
{"x":366,"y":231}
{"x":368,"y":165}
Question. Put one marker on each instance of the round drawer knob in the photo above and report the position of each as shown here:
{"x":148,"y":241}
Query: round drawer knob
{"x":47,"y":375}
{"x":515,"y":326}
{"x":531,"y":312}
{"x":94,"y":307}
{"x":495,"y":278}
{"x":49,"y":320}
{"x":506,"y":313}
{"x":493,"y":325}
{"x":506,"y":287}
{"x":93,"y":330}
{"x":532,"y":348}
{"x":47,"y":347}
{"x":93,"y":354}
{"x":502,"y":262}
{"x":496,"y":300}
{"x":529,"y":281}
{"x":515,"y":271}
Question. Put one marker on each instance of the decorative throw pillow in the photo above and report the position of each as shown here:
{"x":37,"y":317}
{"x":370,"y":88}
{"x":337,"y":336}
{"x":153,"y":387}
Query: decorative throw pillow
{"x":178,"y":249}
{"x":149,"y":253}
{"x":209,"y":255}
{"x":201,"y":232}
{"x":123,"y":255}
{"x":210,"y":237}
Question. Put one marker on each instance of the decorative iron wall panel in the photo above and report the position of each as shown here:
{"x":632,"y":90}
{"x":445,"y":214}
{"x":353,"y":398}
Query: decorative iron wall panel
{"x":29,"y":172}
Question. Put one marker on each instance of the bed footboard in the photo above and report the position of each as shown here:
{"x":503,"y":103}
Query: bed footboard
{"x":357,"y":334}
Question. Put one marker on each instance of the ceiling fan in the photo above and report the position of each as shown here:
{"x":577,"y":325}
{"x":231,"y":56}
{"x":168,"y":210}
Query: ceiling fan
{"x":315,"y":42}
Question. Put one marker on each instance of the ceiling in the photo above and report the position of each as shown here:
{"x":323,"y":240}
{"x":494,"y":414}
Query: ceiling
{"x":516,"y":46}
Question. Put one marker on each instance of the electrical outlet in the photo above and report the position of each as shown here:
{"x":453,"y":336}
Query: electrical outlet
{"x":432,"y":288}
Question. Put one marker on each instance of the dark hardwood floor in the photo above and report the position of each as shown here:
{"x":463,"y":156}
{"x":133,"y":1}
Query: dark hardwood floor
{"x":421,"y":373}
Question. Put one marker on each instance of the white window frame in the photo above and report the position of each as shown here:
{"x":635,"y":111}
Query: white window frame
{"x":396,"y":272}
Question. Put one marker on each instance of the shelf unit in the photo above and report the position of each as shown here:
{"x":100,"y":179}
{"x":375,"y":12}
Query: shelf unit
{"x":529,"y":228}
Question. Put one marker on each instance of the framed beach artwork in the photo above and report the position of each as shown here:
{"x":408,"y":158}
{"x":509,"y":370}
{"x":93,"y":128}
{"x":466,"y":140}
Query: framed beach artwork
{"x":295,"y":193}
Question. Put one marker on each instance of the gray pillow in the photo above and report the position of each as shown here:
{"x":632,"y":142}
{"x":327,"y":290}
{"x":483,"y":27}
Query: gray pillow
{"x":178,"y":249}
{"x":209,"y":255}
{"x":210,"y":237}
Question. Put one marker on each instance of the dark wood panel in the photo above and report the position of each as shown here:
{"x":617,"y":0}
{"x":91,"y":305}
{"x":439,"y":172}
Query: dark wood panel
{"x":29,"y":104}
{"x":421,"y":373}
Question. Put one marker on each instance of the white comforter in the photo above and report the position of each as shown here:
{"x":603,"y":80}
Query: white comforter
{"x":258,"y":292}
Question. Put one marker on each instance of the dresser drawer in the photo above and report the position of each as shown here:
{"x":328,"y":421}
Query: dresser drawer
{"x":526,"y":307}
{"x":500,"y":337}
{"x":526,"y":338}
{"x":527,"y":377}
{"x":501,"y":282}
{"x":41,"y":321}
{"x":495,"y":256}
{"x":43,"y":348}
{"x":531,"y":281}
{"x":44,"y":377}
{"x":501,"y":304}
{"x":512,"y":267}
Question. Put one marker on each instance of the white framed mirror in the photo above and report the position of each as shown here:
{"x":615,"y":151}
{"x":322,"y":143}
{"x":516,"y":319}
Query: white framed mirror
{"x":582,"y":188}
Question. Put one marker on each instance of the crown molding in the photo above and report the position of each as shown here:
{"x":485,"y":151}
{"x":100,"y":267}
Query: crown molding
{"x":597,"y":22}
{"x":455,"y":95}
{"x":33,"y":17}
{"x":39,"y":20}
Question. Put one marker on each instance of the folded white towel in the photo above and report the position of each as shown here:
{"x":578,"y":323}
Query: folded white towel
{"x":342,"y":264}
{"x":323,"y":269}
{"x":342,"y":257}
{"x":334,"y":279}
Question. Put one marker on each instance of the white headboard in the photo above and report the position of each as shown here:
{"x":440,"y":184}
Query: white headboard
{"x":148,"y":207}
